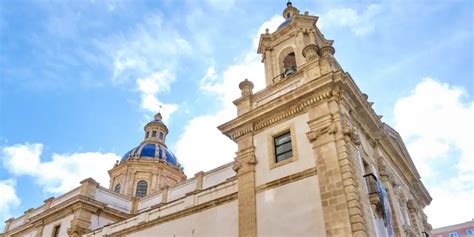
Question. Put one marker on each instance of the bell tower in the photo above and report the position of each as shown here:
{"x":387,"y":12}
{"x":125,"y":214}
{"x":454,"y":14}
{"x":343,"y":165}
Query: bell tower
{"x":296,"y":44}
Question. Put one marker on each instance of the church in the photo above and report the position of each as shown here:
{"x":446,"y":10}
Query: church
{"x":313,"y":159}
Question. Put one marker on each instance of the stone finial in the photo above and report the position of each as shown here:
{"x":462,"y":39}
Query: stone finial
{"x":310,"y":52}
{"x":267,"y":31}
{"x":327,"y":51}
{"x":246,"y":87}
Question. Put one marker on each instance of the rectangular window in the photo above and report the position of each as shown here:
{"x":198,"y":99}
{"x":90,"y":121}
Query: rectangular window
{"x":147,"y":134}
{"x":470,"y":232}
{"x":161,"y":135}
{"x":153,"y":133}
{"x":453,"y":234}
{"x":283,"y":149}
{"x":56,"y":231}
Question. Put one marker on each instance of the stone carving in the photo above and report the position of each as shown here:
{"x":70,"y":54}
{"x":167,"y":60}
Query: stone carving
{"x":330,"y":129}
{"x":351,"y":133}
{"x":237,"y":165}
{"x":252,"y":160}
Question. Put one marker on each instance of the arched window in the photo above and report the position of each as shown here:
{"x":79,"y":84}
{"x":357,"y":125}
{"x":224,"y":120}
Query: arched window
{"x":289,"y":64}
{"x":117,"y":188}
{"x":142,"y":187}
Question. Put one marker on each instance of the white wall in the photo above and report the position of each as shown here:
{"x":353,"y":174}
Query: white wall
{"x":217,"y":221}
{"x":291,"y":210}
{"x":305,"y":155}
{"x":65,"y":224}
{"x":99,"y":221}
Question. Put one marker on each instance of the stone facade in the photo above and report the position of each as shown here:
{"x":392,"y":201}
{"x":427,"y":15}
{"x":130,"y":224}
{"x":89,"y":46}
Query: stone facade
{"x":313,"y":159}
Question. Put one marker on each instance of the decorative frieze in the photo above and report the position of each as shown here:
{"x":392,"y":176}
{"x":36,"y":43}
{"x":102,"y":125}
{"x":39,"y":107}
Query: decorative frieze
{"x":280,"y":116}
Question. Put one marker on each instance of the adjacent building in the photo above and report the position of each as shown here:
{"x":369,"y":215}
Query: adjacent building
{"x":313,"y":159}
{"x":465,"y":229}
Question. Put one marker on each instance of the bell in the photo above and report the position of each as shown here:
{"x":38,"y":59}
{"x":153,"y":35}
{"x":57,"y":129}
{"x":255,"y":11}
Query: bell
{"x":290,"y":70}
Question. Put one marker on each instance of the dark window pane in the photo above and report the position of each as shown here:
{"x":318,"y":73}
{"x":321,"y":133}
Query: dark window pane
{"x":283,"y":148}
{"x":153,"y":133}
{"x":142,"y":187}
{"x":147,"y":134}
{"x":161,"y":135}
{"x":283,"y":139}
{"x":117,"y":188}
{"x":284,"y":156}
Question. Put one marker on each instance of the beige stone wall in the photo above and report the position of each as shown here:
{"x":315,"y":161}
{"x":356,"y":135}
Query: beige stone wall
{"x":293,"y":209}
{"x":304,"y":157}
{"x":217,"y":221}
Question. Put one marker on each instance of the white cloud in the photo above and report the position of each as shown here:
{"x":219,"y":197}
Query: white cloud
{"x":436,"y":121}
{"x":201,"y":135}
{"x":22,"y":158}
{"x":63,"y":172}
{"x":451,"y":198}
{"x":359,"y":23}
{"x":9,"y":200}
{"x":436,"y":116}
{"x":150,"y":87}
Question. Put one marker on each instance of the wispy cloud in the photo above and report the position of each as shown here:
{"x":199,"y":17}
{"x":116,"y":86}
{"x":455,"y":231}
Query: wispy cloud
{"x":361,"y":23}
{"x":148,"y":54}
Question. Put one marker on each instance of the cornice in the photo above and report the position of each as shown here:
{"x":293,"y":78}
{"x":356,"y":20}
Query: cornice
{"x":66,"y":208}
{"x":282,"y":107}
{"x":287,"y":113}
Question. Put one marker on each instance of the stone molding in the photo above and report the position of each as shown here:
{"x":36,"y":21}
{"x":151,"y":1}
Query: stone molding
{"x":82,"y":203}
{"x":290,"y":112}
{"x":286,"y":180}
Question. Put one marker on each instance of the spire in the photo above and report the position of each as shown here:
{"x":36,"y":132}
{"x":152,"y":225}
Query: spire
{"x":288,"y":4}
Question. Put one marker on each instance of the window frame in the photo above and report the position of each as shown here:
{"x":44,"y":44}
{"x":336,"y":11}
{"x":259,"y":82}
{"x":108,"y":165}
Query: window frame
{"x":453,"y":234}
{"x":272,"y":146}
{"x":154,"y":133}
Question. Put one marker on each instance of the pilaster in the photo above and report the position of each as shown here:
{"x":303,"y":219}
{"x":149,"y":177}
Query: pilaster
{"x":81,"y":221}
{"x":334,"y":143}
{"x":245,"y":167}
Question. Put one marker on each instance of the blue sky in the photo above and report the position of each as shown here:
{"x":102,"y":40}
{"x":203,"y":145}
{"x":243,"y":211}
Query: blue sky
{"x":79,"y":79}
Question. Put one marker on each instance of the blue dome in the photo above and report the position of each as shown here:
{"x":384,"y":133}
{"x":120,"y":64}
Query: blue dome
{"x":151,"y":151}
